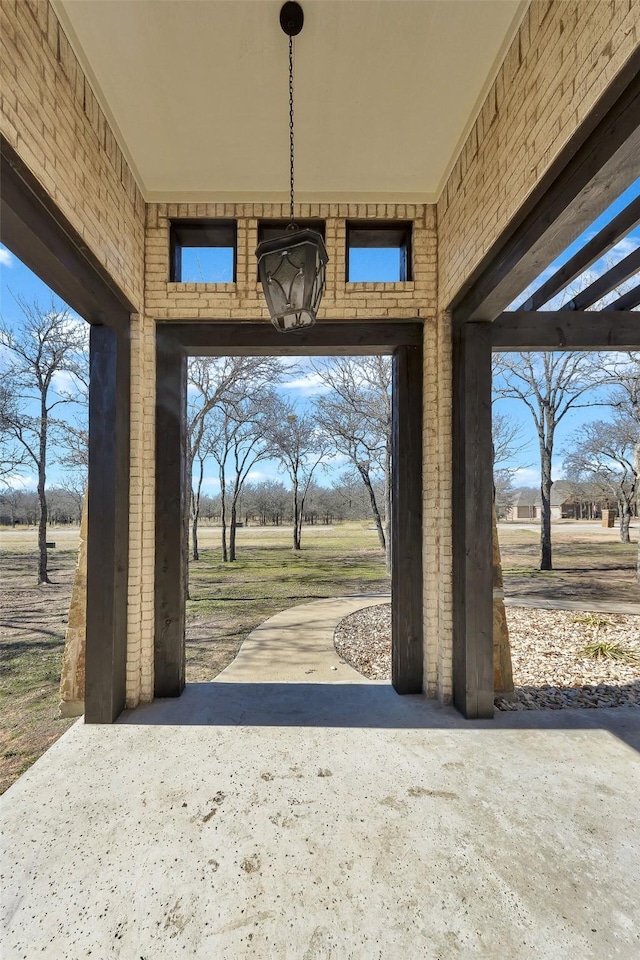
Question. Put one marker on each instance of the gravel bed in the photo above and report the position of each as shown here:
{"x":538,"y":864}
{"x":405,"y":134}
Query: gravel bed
{"x":550,"y":671}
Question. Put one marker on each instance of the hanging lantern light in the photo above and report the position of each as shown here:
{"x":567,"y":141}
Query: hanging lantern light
{"x":291,"y":268}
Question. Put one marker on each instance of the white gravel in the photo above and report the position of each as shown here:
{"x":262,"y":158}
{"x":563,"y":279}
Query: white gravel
{"x":550,"y":670}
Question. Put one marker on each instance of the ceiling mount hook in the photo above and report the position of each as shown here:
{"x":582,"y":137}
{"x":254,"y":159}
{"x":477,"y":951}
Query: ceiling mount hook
{"x":291,"y":18}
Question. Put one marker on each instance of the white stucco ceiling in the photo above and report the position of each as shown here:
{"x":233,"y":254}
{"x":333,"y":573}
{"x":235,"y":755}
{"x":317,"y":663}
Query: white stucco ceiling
{"x":197,"y":92}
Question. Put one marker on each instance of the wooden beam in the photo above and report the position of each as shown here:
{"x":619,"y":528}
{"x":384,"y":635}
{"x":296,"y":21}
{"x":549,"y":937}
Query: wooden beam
{"x":174,"y":341}
{"x":606,"y":283}
{"x":255,"y":338}
{"x":595,"y":248}
{"x":565,"y":330}
{"x":172,"y":486}
{"x":596,"y":165}
{"x":627,"y":301}
{"x":406,"y":548}
{"x":34,"y":230}
{"x":108,"y":527}
{"x":472,"y":524}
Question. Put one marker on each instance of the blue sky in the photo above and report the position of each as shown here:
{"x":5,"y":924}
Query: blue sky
{"x":303,"y":384}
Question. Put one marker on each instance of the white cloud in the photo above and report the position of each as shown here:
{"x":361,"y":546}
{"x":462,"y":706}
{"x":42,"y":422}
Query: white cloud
{"x":336,"y":458}
{"x":526,"y":477}
{"x":6,"y":258}
{"x":530,"y":476}
{"x":64,"y":382}
{"x":17,"y":482}
{"x":309,"y":384}
{"x":211,"y":482}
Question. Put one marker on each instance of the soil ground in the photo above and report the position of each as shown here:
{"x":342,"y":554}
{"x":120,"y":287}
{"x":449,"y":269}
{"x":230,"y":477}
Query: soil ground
{"x":32,"y":625}
{"x":589,"y":562}
{"x":229,"y":600}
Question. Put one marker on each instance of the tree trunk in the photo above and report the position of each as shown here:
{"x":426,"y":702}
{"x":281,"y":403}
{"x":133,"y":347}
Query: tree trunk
{"x":232,"y":532}
{"x":374,"y":507}
{"x":195,"y":514}
{"x":194,"y":536}
{"x":545,"y":507}
{"x":43,"y":574}
{"x":625,"y":519}
{"x":387,"y":504}
{"x":636,"y":460}
{"x":223,"y":516}
{"x":296,"y":520}
{"x":195,"y":510}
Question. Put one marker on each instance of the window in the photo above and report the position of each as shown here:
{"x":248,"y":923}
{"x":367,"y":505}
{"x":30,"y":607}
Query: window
{"x":203,"y":251}
{"x":378,"y":252}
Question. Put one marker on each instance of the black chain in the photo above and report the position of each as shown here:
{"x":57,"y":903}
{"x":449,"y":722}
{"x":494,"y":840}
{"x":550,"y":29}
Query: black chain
{"x":291,"y":120}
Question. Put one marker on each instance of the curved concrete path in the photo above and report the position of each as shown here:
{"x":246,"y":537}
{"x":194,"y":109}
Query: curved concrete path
{"x":629,"y":608}
{"x":296,"y":645}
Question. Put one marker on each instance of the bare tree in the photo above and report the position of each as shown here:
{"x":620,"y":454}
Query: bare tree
{"x":300,"y":446}
{"x":603,"y":453}
{"x":550,"y":385}
{"x":211,"y":380}
{"x":13,"y":455}
{"x":238,"y":437}
{"x":49,"y":343}
{"x":508,"y":442}
{"x":622,"y":375}
{"x":357,"y":417}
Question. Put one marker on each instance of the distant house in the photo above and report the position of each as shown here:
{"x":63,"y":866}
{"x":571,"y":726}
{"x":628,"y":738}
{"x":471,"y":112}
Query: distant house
{"x":569,"y":501}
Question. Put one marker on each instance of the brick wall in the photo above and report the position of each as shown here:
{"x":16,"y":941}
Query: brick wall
{"x":243,"y":300}
{"x":562,"y":59}
{"x":50,"y":116}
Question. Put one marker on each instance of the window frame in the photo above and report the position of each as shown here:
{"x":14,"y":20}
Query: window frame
{"x":204,"y":234}
{"x":381,"y":234}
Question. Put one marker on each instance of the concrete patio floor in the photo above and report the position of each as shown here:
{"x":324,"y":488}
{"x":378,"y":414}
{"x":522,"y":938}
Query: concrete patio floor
{"x":326,"y":821}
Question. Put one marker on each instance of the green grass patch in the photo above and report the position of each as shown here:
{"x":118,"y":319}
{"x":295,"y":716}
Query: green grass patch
{"x":609,"y":650}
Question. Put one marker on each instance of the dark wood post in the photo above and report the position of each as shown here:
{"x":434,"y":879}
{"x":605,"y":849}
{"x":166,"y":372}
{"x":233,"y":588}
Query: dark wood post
{"x":172,"y":487}
{"x":108,"y":526}
{"x":406,"y":522}
{"x":472,"y":529}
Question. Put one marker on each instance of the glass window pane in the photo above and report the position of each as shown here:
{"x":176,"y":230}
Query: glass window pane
{"x":207,"y":265}
{"x":374,"y":265}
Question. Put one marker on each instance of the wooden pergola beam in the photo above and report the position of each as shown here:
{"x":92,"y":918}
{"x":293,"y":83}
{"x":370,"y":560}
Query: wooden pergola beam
{"x":618,"y":274}
{"x":627,"y":301}
{"x":565,"y":330}
{"x":595,"y":248}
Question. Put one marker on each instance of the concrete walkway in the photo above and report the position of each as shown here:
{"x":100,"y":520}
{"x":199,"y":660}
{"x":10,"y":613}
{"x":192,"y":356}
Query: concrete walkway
{"x":592,"y":606}
{"x":301,"y":820}
{"x":296,"y":645}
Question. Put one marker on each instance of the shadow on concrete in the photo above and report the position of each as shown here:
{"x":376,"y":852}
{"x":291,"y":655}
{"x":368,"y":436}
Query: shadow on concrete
{"x":373,"y":705}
